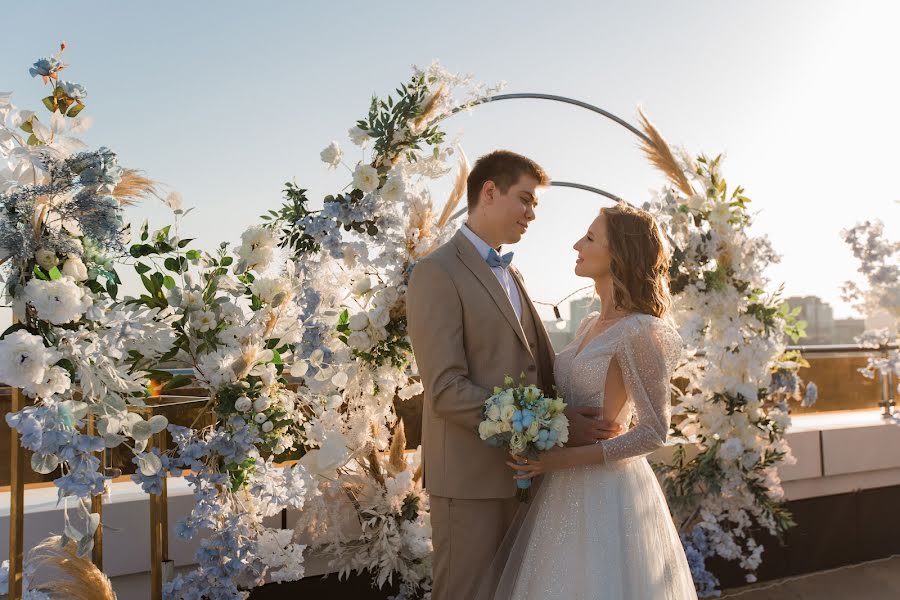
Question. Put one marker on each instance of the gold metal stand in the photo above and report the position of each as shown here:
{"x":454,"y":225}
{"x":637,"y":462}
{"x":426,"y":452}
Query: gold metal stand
{"x":16,"y":504}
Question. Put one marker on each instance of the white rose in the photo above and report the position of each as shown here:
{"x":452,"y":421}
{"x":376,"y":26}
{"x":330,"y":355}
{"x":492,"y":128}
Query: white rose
{"x":359,"y":321}
{"x":261,"y":403}
{"x":388,"y":296}
{"x":358,"y":136}
{"x":362,"y":286}
{"x":493,"y":413}
{"x":74,"y":268}
{"x":506,"y":412}
{"x":731,"y":449}
{"x":359,"y":340}
{"x":380,"y":316}
{"x":365,"y":178}
{"x":507,"y":398}
{"x":242,"y":404}
{"x":484,"y":430}
{"x":394,"y":189}
{"x":533,"y":429}
{"x":332,"y":155}
{"x":58,"y":301}
{"x":191,"y":299}
{"x":204,"y":320}
{"x":46,"y":258}
{"x":517,"y":442}
{"x":267,"y":288}
{"x":560,"y":424}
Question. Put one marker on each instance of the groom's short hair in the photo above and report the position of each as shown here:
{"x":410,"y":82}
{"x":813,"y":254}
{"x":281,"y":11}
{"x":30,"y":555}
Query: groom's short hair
{"x":504,"y":168}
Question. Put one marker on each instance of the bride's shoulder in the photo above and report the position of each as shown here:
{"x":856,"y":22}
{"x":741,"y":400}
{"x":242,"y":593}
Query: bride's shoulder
{"x":586,"y":321}
{"x":644,"y":323}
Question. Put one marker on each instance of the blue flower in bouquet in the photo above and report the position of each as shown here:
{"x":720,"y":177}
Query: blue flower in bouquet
{"x":45,"y":67}
{"x":75,"y":91}
{"x":524,"y":421}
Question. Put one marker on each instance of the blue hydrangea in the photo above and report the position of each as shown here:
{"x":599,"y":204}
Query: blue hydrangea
{"x":697,"y":549}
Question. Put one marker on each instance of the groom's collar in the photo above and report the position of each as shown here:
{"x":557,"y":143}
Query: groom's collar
{"x":481,"y":246}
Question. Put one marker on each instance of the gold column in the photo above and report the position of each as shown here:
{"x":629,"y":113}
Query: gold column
{"x":97,"y":501}
{"x":162,"y":569}
{"x":16,"y":504}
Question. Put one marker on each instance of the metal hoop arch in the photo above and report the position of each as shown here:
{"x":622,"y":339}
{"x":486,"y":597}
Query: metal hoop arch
{"x":565,"y":100}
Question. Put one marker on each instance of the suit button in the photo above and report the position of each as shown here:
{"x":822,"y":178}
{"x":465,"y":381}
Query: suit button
{"x":532,"y":368}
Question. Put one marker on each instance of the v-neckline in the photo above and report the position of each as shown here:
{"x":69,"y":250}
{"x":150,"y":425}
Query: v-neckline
{"x":579,"y":349}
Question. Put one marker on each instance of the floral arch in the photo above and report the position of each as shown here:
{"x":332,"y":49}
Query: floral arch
{"x":298,"y":335}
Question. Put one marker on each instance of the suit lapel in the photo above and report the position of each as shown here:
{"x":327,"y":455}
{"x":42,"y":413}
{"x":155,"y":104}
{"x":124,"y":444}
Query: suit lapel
{"x":473,"y":261}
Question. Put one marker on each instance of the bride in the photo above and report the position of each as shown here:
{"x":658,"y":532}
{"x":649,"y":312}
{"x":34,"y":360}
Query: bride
{"x":598,"y":527}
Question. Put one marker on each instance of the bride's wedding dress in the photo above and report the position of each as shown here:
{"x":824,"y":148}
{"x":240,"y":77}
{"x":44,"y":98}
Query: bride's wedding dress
{"x":604,"y":532}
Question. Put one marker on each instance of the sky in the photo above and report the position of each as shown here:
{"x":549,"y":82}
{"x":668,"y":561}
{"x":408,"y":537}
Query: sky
{"x":226,"y":101}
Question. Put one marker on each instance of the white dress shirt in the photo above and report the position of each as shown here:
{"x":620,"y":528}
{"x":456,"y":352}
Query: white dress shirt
{"x":503,"y":275}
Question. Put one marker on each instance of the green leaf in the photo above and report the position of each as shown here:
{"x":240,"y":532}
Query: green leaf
{"x":185,"y":242}
{"x":50,"y":103}
{"x":141,"y":268}
{"x":177,"y":382}
{"x":39,"y":273}
{"x":227,"y":261}
{"x":112,"y":289}
{"x":193,"y":254}
{"x":73,"y":112}
{"x":169,"y":282}
{"x":55,"y":274}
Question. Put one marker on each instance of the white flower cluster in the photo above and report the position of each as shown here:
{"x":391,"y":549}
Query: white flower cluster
{"x":733,"y":339}
{"x":879,"y":260}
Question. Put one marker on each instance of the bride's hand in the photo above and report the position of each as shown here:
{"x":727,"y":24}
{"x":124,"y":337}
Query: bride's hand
{"x":552,"y":460}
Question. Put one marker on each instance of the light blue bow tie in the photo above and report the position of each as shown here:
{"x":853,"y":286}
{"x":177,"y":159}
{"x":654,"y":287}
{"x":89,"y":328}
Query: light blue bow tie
{"x":495,"y":260}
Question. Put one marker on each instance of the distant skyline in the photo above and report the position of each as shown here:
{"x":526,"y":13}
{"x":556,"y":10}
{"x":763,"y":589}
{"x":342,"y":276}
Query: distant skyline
{"x":224,"y":103}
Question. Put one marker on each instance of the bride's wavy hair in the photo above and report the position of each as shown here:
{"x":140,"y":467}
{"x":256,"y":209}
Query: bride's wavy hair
{"x":639,"y":261}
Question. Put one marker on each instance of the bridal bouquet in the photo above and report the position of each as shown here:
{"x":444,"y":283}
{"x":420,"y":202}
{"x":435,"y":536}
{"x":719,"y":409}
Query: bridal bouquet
{"x":521,"y":419}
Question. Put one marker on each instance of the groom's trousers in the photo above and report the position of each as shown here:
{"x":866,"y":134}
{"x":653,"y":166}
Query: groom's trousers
{"x":466,"y":535}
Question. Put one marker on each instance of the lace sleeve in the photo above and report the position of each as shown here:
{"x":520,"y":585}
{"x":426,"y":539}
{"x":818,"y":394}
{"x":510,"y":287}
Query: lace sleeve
{"x":647,"y":354}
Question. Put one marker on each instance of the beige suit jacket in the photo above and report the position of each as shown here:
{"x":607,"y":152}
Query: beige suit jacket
{"x":466,"y":339}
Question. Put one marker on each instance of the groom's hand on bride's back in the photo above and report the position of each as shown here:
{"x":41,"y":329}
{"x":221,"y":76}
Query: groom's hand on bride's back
{"x":586,"y":426}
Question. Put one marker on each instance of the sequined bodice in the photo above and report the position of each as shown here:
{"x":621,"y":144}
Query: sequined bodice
{"x":581,"y":376}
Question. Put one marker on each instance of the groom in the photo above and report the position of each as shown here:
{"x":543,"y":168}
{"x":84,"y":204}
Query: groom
{"x":471,"y":323}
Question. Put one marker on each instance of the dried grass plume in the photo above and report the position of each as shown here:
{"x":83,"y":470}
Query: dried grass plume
{"x":79,"y":578}
{"x":659,"y":153}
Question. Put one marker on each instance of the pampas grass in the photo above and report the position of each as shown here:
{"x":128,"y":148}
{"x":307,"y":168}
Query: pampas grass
{"x":458,"y":191}
{"x":134,"y":187}
{"x":660,"y":155}
{"x":79,"y":578}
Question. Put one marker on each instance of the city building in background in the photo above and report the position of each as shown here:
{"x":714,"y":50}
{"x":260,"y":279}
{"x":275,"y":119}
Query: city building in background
{"x":821,"y":326}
